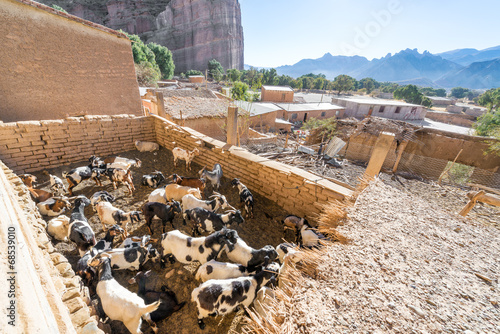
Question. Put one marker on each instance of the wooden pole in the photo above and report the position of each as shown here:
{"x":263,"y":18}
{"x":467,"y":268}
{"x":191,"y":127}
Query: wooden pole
{"x":232,"y":125}
{"x":380,"y":151}
{"x":160,"y":104}
{"x":480,"y":186}
{"x":286,"y":141}
{"x":182,"y":121}
{"x":471,"y":203}
{"x":447,"y":169}
{"x":401,"y":149}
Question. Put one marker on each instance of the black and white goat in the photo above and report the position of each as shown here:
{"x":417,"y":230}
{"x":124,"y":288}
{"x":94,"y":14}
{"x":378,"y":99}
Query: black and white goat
{"x":246,"y":197}
{"x":165,"y":212}
{"x":220,"y":297}
{"x":169,"y":303}
{"x":80,"y":231}
{"x":186,"y":249}
{"x":109,"y":215}
{"x":215,"y":176}
{"x":306,"y":235}
{"x":56,"y":184}
{"x":119,"y":162}
{"x":153,"y":180}
{"x":243,"y":254}
{"x":101,"y":196}
{"x":218,"y":202}
{"x":119,"y":303}
{"x":220,"y":270}
{"x":79,"y":174}
{"x":54,"y":206}
{"x":132,"y":258}
{"x":208,"y":221}
{"x":135,"y":241}
{"x":121,"y":175}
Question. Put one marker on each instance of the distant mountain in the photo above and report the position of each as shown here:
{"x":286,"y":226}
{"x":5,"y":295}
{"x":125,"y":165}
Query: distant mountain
{"x":408,"y":64}
{"x":422,"y":82}
{"x":479,"y":75}
{"x":330,"y":66}
{"x":466,"y":57}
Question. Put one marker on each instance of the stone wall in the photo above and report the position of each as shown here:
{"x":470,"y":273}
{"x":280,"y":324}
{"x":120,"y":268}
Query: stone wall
{"x":293,"y":189}
{"x":55,"y":65}
{"x":35,"y":145}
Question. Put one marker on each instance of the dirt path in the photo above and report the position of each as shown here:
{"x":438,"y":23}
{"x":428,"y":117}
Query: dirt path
{"x":257,"y":232}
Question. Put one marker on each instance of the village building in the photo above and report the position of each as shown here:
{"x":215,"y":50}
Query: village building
{"x":301,"y":112}
{"x":467,"y":109}
{"x":264,"y":116}
{"x":56,"y":65}
{"x":361,"y":107}
{"x":276,"y":94}
{"x":441,"y":101}
{"x":196,"y":79}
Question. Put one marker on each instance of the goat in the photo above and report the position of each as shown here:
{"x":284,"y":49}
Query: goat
{"x":54,"y":206}
{"x":137,"y":241}
{"x":119,"y":303}
{"x":119,"y":162}
{"x":209,"y":221}
{"x":146,"y":146}
{"x":132,"y":258}
{"x":101,"y":196}
{"x":79,"y":174}
{"x":187,"y":249}
{"x":80,"y":231}
{"x":219,"y":201}
{"x":287,"y":248}
{"x":96,"y":162}
{"x":169,"y":303}
{"x":192,"y":182}
{"x":246,"y":196}
{"x":116,"y":175}
{"x":306,"y":235}
{"x":240,"y":252}
{"x":181,"y":154}
{"x":38,"y":195}
{"x":109,"y":215}
{"x":175,"y":192}
{"x":28,"y":179}
{"x":165,"y":212}
{"x":158,"y":195}
{"x":220,"y":297}
{"x":56,"y":184}
{"x":220,"y":270}
{"x":82,"y":268}
{"x":214,"y":176}
{"x":153,"y":180}
{"x":58,"y":228}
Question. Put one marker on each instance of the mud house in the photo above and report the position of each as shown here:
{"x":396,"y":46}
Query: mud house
{"x":360,"y":107}
{"x":276,"y":94}
{"x":56,"y":65}
{"x":441,"y":101}
{"x":301,"y":112}
{"x":264,"y":116}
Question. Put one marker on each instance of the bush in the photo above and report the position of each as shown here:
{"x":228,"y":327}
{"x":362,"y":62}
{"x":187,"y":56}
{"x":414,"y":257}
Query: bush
{"x":240,"y":91}
{"x":147,"y":75}
{"x":193,"y":72}
{"x":326,"y":128}
{"x":163,"y":58}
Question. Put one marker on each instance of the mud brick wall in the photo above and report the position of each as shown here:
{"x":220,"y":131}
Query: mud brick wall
{"x":30,"y":146}
{"x":295,"y":190}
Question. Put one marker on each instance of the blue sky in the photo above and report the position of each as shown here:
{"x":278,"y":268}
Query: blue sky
{"x":282,"y":32}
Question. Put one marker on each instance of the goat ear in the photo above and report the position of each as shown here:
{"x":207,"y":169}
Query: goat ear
{"x":147,"y":273}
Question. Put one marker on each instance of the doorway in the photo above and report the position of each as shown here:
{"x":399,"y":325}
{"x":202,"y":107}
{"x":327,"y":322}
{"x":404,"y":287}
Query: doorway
{"x":305,"y":117}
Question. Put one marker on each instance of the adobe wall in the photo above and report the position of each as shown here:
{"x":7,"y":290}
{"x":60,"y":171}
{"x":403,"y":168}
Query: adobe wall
{"x":311,"y":114}
{"x":294,"y":189}
{"x":267,"y":120}
{"x":276,"y":95}
{"x":456,"y":119}
{"x":35,"y":145}
{"x":54,"y":66}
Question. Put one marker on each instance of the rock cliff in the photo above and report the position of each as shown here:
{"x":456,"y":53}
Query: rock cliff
{"x":196,"y":31}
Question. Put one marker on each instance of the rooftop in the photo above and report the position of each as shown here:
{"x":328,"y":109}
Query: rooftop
{"x":279,"y":88}
{"x":374,"y":101}
{"x":257,"y":108}
{"x":195,"y":107}
{"x":313,"y":97}
{"x":296,"y":107}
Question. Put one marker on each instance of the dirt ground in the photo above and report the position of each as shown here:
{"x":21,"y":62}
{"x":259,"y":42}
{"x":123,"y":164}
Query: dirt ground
{"x":257,"y":232}
{"x":412,"y":267}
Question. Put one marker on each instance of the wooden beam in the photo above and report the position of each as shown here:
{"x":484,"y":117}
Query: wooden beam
{"x":448,"y":169}
{"x":471,"y":203}
{"x":480,"y":186}
{"x":401,"y":149}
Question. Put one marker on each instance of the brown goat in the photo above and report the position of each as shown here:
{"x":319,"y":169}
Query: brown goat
{"x":38,"y":195}
{"x":192,"y":182}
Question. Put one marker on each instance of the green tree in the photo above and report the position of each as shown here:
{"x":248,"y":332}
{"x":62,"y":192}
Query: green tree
{"x":388,"y":87}
{"x":326,"y":127}
{"x":59,"y":8}
{"x":269,"y":77}
{"x":344,"y":83}
{"x":297,"y":84}
{"x":215,"y":70}
{"x":441,"y":92}
{"x":307,"y":82}
{"x":240,"y":91}
{"x":411,"y":94}
{"x":487,"y":124}
{"x":490,"y":99}
{"x":459,"y":92}
{"x":163,"y":58}
{"x":368,"y":83}
{"x":319,"y":83}
{"x":233,"y":74}
{"x":193,"y":72}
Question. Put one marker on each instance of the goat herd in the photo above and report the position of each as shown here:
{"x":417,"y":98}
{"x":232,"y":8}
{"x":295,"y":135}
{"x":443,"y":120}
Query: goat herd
{"x":224,"y":286}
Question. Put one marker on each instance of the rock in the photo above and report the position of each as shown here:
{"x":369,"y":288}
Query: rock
{"x":58,"y":258}
{"x":71,"y":293}
{"x":75,"y":304}
{"x":80,"y":317}
{"x":90,"y":328}
{"x":416,"y":310}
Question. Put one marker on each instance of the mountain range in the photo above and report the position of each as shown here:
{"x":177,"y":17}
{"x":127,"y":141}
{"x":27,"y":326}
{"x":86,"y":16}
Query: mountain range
{"x":469,"y":68}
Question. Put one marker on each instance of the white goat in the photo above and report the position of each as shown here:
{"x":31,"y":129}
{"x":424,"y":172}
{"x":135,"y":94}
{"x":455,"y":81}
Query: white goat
{"x":220,"y":270}
{"x":58,"y":228}
{"x":182,"y":154}
{"x":158,"y":195}
{"x":146,"y":146}
{"x":218,"y":202}
{"x":109,"y":216}
{"x":175,"y":192}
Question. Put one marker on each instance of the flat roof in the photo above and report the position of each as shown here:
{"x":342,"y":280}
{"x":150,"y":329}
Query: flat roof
{"x":195,"y":107}
{"x":282,"y":121}
{"x":314,"y":97}
{"x":280,"y":88}
{"x":371,"y":100}
{"x":257,"y":108}
{"x":296,"y":107}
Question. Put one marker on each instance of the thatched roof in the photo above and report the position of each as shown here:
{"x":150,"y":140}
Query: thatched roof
{"x":375,"y":125}
{"x":195,"y":107}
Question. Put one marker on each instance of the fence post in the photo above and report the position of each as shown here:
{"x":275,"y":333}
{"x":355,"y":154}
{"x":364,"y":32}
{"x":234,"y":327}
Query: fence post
{"x":160,"y":103}
{"x":380,"y":150}
{"x":400,"y":151}
{"x":232,"y":125}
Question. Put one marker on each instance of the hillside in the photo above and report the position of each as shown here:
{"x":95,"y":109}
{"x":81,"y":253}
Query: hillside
{"x":466,"y":57}
{"x":480,"y":75}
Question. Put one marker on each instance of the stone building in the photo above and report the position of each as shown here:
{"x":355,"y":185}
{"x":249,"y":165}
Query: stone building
{"x":264,"y":117}
{"x":56,"y":65}
{"x":361,"y":107}
{"x":276,"y":94}
{"x":301,"y":112}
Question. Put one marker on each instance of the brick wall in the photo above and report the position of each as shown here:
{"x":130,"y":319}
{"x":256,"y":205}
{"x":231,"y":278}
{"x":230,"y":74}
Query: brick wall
{"x":34,"y":145}
{"x":294,"y":189}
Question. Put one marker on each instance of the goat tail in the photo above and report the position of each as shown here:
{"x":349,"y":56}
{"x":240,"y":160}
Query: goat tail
{"x":152,"y":307}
